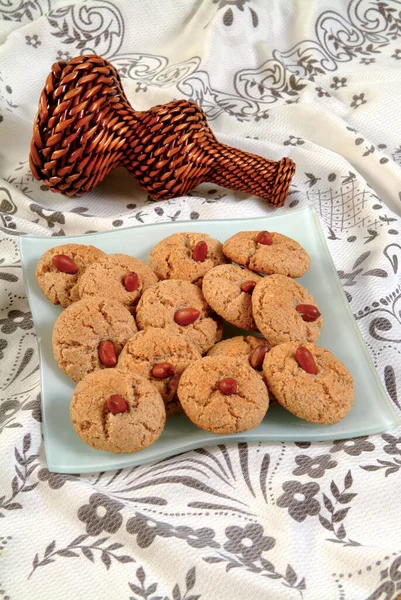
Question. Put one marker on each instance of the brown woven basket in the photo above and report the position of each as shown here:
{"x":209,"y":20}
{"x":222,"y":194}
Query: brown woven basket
{"x":85,"y":127}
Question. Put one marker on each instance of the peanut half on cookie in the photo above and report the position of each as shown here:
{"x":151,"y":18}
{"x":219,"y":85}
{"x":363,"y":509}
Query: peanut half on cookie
{"x":310,"y":382}
{"x":223,"y":395}
{"x":267,"y":253}
{"x":186,"y":256}
{"x":117,"y":412}
{"x":59,"y":269}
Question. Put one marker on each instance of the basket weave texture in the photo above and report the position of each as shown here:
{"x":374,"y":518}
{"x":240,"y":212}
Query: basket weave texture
{"x":85,"y":127}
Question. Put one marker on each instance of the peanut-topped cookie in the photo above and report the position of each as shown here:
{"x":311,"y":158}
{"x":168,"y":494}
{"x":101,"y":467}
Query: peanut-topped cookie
{"x":180,"y":306}
{"x":59,"y":269}
{"x":310,"y":382}
{"x":90,"y":334}
{"x":160,"y":355}
{"x":268,"y":253}
{"x":228,"y":290}
{"x":119,"y":277}
{"x":118,"y":412}
{"x":223,"y":395}
{"x":186,"y":256}
{"x":284,"y":311}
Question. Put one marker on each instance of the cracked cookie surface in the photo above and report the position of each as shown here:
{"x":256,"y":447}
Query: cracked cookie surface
{"x":222,"y":290}
{"x":325,"y":398}
{"x":79,"y":330}
{"x":159,"y":304}
{"x":284,"y":256}
{"x":273,"y":302}
{"x":62,"y":288}
{"x":172,"y":258}
{"x":153,"y":347}
{"x":106,"y":279}
{"x":209,"y":408}
{"x":130,"y":431}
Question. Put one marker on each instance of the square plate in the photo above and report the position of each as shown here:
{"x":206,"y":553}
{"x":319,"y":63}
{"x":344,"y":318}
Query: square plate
{"x":372,"y":411}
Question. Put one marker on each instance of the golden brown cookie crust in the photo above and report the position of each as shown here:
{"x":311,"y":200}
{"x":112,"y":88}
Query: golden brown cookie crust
{"x":152,"y":347}
{"x":325,"y":398}
{"x":105,"y":278}
{"x":273,"y":302}
{"x":172,"y":258}
{"x":158,"y":305}
{"x":222,"y":290}
{"x":62,"y":288}
{"x":78,"y":331}
{"x":209,"y":408}
{"x":285,"y":256}
{"x":137,"y":428}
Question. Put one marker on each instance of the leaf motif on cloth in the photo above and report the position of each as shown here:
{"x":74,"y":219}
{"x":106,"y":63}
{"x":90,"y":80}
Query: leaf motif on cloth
{"x":146,"y":591}
{"x":24,"y":467}
{"x":337,"y":513}
{"x":97,"y":29}
{"x":24,"y":12}
{"x":79,"y":547}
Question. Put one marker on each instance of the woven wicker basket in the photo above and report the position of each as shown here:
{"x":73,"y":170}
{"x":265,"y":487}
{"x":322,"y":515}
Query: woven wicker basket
{"x":85,"y":127}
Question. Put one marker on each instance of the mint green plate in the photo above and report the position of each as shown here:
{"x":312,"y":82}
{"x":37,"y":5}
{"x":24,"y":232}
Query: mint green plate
{"x":372,"y":411}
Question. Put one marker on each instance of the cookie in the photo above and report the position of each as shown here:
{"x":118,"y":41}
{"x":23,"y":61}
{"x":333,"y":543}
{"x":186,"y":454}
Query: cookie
{"x":324,"y":398}
{"x":180,"y":306}
{"x":90,"y":334}
{"x":161,"y":356}
{"x":223,"y":395}
{"x":186,"y":256}
{"x":267,"y":253}
{"x":118,"y":276}
{"x":228,"y":290}
{"x":276,"y":303}
{"x":116,"y":411}
{"x":59,"y":268}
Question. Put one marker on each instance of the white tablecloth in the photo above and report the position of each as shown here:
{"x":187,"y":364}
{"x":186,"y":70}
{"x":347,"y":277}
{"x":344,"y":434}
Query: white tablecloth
{"x":320,"y":82}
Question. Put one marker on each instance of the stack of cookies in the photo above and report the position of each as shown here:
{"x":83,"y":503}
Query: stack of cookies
{"x":143,"y":341}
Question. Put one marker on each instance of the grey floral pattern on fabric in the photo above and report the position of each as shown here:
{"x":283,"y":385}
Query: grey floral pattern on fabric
{"x":393,"y":445}
{"x":33,"y":40}
{"x":147,"y":529}
{"x":314,"y":467}
{"x":8,"y":409}
{"x":358,"y":100}
{"x":354,"y":447}
{"x":248,"y":541}
{"x":101,"y":514}
{"x":55,"y":480}
{"x":15,"y":319}
{"x":300,"y":499}
{"x":338,"y":82}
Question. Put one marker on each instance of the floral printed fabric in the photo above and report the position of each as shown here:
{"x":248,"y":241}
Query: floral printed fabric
{"x":278,"y":520}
